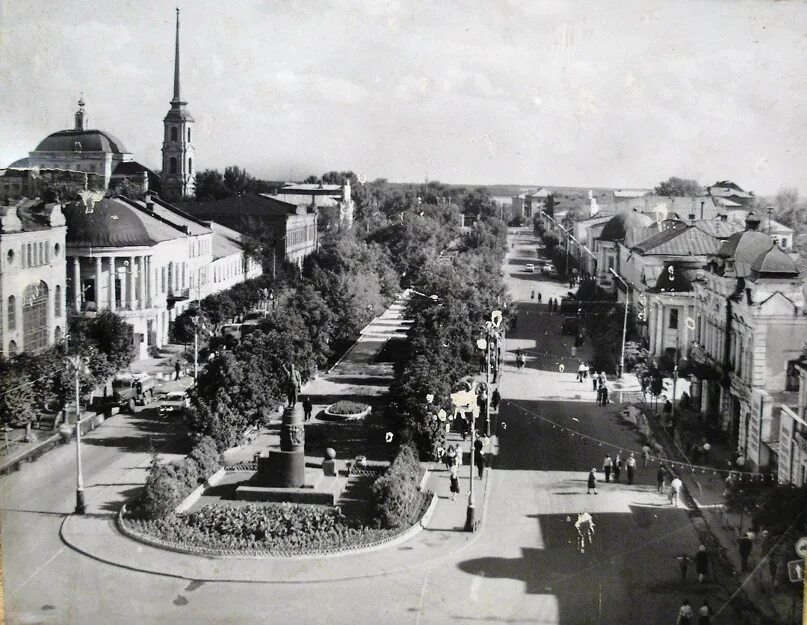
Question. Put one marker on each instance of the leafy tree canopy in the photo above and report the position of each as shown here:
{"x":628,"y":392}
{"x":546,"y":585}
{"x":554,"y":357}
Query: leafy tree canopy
{"x":682,"y":187}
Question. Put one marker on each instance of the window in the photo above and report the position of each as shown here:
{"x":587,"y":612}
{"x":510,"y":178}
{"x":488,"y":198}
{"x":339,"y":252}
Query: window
{"x":673,"y":325}
{"x":172,"y":165}
{"x":784,"y":242}
{"x":792,"y":377}
{"x":12,"y":348}
{"x":30,"y":256}
{"x":190,"y":164}
{"x":173,"y":133}
{"x":12,"y":313}
{"x":189,"y":135}
{"x":35,"y":316}
{"x":10,"y":257}
{"x":56,"y":249}
{"x":57,"y":305}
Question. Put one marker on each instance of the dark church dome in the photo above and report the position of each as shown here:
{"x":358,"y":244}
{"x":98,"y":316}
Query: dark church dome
{"x":81,"y":141}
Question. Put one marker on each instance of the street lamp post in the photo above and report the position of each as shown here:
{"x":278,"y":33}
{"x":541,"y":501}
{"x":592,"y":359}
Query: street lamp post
{"x":624,"y":321}
{"x":78,"y":364}
{"x":195,"y":320}
{"x":675,"y":381}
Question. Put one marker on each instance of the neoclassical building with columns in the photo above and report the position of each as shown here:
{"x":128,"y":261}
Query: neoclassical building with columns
{"x":147,"y":261}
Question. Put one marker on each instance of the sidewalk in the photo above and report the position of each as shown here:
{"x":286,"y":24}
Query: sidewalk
{"x":704,"y":485}
{"x":441,"y":536}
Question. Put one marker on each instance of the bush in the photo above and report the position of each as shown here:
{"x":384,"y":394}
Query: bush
{"x":206,"y":456}
{"x":395,"y":496}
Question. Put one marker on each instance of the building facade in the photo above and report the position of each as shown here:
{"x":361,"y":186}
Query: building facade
{"x":32,"y":276}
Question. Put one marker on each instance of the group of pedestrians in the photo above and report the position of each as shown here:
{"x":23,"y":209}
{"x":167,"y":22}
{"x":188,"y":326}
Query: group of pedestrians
{"x":553,"y":304}
{"x":600,"y":386}
{"x":453,"y":461}
{"x":686,"y":614}
{"x":670,"y":482}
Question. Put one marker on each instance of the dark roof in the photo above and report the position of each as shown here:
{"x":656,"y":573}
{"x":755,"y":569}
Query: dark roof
{"x":91,"y":141}
{"x":133,"y":168}
{"x":21,"y":162}
{"x":774,"y":264}
{"x":226,"y":241}
{"x":718,"y":228}
{"x":178,"y":114}
{"x":620,"y":224}
{"x":250,"y":204}
{"x":112,"y":222}
{"x":672,"y":279}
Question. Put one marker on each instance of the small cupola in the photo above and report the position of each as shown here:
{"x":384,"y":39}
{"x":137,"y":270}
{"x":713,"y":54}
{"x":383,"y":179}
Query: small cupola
{"x":752,"y":221}
{"x":81,"y":116}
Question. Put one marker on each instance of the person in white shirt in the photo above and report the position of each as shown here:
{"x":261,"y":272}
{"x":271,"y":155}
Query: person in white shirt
{"x":675,"y":490}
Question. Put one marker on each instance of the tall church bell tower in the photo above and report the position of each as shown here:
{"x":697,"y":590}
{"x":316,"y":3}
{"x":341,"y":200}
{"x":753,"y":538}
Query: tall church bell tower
{"x":178,"y":154}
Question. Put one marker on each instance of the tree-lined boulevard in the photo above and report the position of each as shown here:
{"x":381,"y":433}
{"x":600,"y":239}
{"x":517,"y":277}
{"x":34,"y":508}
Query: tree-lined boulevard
{"x":524,"y":565}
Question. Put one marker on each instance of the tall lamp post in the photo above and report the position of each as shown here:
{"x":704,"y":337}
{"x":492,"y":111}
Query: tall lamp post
{"x":78,"y":365}
{"x":624,"y":321}
{"x":196,"y":326}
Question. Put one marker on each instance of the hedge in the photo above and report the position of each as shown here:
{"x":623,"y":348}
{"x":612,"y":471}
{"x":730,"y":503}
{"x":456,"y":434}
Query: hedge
{"x":168,"y":484}
{"x":395,"y":497}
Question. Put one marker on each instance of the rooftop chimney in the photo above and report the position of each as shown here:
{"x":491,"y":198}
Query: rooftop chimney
{"x":149,"y":202}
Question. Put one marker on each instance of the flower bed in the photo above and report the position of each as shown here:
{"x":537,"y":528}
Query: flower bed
{"x":345,"y":409}
{"x":268,"y":530}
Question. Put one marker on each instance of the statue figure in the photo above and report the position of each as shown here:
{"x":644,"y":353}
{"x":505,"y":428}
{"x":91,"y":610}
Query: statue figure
{"x":293,"y":384}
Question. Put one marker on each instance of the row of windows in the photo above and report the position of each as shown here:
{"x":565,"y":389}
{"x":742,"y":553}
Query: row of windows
{"x":200,"y":247}
{"x":230,"y":270}
{"x":35,"y":305}
{"x":300,"y":236}
{"x":34,"y":254}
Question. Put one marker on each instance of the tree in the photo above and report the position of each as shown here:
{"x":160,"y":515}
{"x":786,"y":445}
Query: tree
{"x":788,"y":210}
{"x":679,"y":187}
{"x":210,"y":185}
{"x":129,"y":190}
{"x":238,"y":181}
{"x":17,"y":397}
{"x":113,"y":337}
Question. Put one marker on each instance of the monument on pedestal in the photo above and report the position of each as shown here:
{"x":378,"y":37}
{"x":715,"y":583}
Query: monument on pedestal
{"x":281,"y":475}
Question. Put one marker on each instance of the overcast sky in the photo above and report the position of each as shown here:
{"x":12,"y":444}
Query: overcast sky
{"x":579,"y":93}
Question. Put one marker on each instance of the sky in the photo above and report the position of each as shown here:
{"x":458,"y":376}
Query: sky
{"x":619,"y":94}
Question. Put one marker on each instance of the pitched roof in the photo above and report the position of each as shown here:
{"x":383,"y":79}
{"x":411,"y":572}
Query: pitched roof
{"x":680,"y":241}
{"x":226,"y":241}
{"x":718,"y":228}
{"x":90,"y":140}
{"x":185,"y":221}
{"x":304,"y":200}
{"x":248,"y":205}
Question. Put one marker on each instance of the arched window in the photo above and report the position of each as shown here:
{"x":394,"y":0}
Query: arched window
{"x":57,"y":305}
{"x":12,"y":313}
{"x":173,"y":133}
{"x":190,"y":164}
{"x":57,"y":335}
{"x":172,"y":165}
{"x":12,"y":348}
{"x":35,"y":316}
{"x":189,"y":135}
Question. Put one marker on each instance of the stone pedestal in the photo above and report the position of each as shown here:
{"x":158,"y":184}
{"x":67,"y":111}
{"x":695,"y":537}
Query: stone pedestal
{"x":285,"y":468}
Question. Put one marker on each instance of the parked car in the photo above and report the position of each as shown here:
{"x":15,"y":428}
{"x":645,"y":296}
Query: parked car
{"x":530,"y":268}
{"x":173,"y":402}
{"x":549,"y":267}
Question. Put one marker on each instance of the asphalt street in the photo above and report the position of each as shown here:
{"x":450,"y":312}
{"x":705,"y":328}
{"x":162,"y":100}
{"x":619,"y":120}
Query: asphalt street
{"x":526,"y":565}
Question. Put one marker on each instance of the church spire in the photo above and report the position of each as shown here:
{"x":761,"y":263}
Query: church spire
{"x":177,"y":98}
{"x":81,"y":116}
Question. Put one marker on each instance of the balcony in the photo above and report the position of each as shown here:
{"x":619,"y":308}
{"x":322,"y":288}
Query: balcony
{"x":178,"y":295}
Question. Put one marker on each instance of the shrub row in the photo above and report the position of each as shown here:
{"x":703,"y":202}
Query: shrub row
{"x":395,"y":497}
{"x":168,"y":484}
{"x":286,"y":528}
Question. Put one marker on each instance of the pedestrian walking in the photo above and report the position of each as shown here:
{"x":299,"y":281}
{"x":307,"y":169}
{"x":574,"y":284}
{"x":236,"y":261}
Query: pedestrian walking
{"x":705,"y":613}
{"x":660,"y":475}
{"x":645,"y":456}
{"x":618,"y":464}
{"x":595,"y":381}
{"x":539,"y":297}
{"x":684,"y":614}
{"x":683,"y":565}
{"x":603,"y":379}
{"x":599,"y":396}
{"x":746,"y":544}
{"x":479,"y":456}
{"x":307,"y":408}
{"x":585,"y":370}
{"x":607,"y":464}
{"x":701,"y":563}
{"x":631,"y":465}
{"x":592,"y":481}
{"x":450,"y":457}
{"x":675,"y":490}
{"x":604,"y":390}
{"x":454,"y":477}
{"x":532,"y":293}
{"x":495,"y":398}
{"x":580,"y":369}
{"x":177,"y":369}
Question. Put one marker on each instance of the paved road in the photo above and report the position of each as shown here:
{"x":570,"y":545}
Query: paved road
{"x":524,"y":567}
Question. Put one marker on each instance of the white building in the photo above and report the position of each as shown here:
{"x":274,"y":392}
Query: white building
{"x":32,"y":276}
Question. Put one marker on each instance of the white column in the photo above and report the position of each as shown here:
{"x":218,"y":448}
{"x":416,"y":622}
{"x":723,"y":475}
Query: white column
{"x":141,"y":270}
{"x":660,"y":329}
{"x":77,"y":282}
{"x":98,"y":268}
{"x":131,"y":284}
{"x":112,"y":270}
